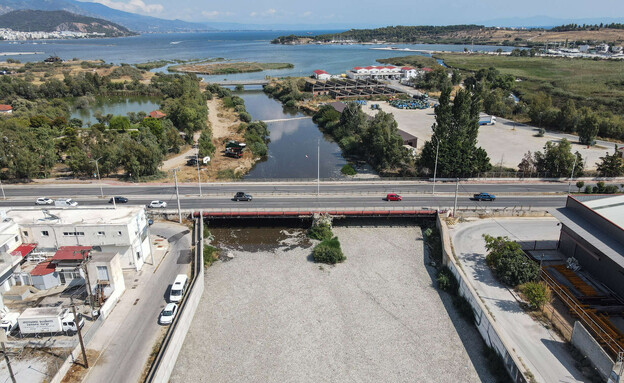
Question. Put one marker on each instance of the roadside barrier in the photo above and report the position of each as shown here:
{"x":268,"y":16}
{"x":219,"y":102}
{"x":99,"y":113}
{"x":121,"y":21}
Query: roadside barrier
{"x":483,"y":319}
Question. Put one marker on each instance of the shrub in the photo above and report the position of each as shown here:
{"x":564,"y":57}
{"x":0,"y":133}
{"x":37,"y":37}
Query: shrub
{"x":239,"y":88}
{"x":579,"y":185}
{"x":328,"y":251}
{"x":244,"y":116}
{"x":211,"y":254}
{"x":589,"y":189}
{"x":508,"y":261}
{"x":320,"y":232}
{"x":540,"y":132}
{"x":348,"y":170}
{"x":611,"y":189}
{"x":537,"y":293}
{"x":446,"y":281}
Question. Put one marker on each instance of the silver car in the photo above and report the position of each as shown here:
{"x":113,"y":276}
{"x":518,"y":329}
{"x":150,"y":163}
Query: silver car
{"x":157,"y":204}
{"x":168,"y":313}
{"x":44,"y":201}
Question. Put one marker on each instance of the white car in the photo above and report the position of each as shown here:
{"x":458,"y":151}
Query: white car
{"x":157,"y":204}
{"x":168,"y":313}
{"x":44,"y":201}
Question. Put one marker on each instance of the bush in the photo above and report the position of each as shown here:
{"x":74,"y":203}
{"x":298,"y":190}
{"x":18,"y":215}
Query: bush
{"x":508,"y":261}
{"x":589,"y":189}
{"x":328,"y":251}
{"x":537,"y":293}
{"x":446,"y":281}
{"x":211,"y":254}
{"x":579,"y":185}
{"x":348,"y":170}
{"x":244,"y":116}
{"x":320,"y":232}
{"x":540,"y":132}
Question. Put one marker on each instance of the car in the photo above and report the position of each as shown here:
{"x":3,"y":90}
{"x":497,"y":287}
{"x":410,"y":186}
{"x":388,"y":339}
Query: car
{"x":118,"y":200}
{"x":484,"y":197}
{"x":150,"y":222}
{"x":393,"y":197}
{"x":192,"y":162}
{"x":44,"y":201}
{"x":168,"y":313}
{"x":242,"y":196}
{"x":157,"y":204}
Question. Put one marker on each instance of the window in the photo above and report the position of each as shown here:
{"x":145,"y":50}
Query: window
{"x":73,"y":233}
{"x":102,"y":273}
{"x":100,"y":233}
{"x":45,"y":233}
{"x":16,"y":239}
{"x":119,"y":233}
{"x":25,"y":233}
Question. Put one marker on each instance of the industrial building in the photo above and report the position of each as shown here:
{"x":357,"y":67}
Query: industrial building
{"x":348,"y":88}
{"x":123,"y":230}
{"x":382,"y":73}
{"x":592,"y":231}
{"x":321,"y":75}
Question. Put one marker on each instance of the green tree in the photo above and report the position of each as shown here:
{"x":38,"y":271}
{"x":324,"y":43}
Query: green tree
{"x":455,"y":129}
{"x":588,"y":127}
{"x":383,"y":143}
{"x":568,"y":118}
{"x":540,"y":109}
{"x":611,"y":165}
{"x":509,"y":263}
{"x":205,"y":145}
{"x":537,"y":293}
{"x":558,"y":160}
{"x":579,"y":185}
{"x":119,"y":123}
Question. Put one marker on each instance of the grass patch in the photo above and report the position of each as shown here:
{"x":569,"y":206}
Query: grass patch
{"x":348,"y":170}
{"x":588,"y":82}
{"x":229,"y":68}
{"x":229,"y":174}
{"x":413,"y":61}
{"x":211,"y":254}
{"x":328,"y":251}
{"x":152,"y":64}
{"x":321,"y":232}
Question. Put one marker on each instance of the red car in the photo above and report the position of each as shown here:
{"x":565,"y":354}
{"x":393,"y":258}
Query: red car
{"x":393,"y":197}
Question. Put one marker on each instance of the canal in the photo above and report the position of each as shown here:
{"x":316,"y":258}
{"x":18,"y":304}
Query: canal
{"x":294,"y":144}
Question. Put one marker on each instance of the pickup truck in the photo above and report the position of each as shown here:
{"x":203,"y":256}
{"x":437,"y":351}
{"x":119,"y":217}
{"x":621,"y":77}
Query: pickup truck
{"x":484,"y":197}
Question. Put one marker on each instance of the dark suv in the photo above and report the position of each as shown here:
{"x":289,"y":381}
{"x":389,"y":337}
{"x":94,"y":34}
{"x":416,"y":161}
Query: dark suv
{"x":484,"y":197}
{"x":118,"y":200}
{"x":242,"y":196}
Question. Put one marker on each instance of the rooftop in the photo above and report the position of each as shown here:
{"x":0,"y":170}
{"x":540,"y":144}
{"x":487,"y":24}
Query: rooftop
{"x":157,"y":114}
{"x":44,"y":268}
{"x":24,"y":249}
{"x":70,"y":253}
{"x":74,"y":216}
{"x":5,"y":108}
{"x":611,"y":208}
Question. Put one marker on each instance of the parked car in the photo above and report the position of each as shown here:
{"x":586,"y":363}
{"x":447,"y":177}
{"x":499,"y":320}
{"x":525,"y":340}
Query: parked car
{"x":393,"y":197}
{"x":118,"y":200}
{"x":242,"y":196}
{"x":65,"y":202}
{"x":44,"y":201}
{"x":168,"y":313}
{"x":484,"y":197}
{"x":157,"y":204}
{"x":191,"y":162}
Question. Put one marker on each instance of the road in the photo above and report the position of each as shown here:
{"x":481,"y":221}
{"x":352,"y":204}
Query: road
{"x":541,"y":350}
{"x":129,"y":333}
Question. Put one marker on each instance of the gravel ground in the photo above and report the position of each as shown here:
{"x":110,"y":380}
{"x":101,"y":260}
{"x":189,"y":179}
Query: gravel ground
{"x":275,"y":316}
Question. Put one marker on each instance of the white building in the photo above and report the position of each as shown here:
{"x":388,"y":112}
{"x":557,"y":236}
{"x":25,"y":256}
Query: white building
{"x":381,"y":73}
{"x":321,"y":75}
{"x":123,"y":230}
{"x":10,"y":250}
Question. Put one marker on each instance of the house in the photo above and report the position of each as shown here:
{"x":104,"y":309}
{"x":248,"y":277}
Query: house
{"x":426,"y":69}
{"x":6,"y":109}
{"x":409,"y":72}
{"x":321,"y":75}
{"x":123,"y":230}
{"x":106,"y":279}
{"x":157,"y":114}
{"x":10,"y":250}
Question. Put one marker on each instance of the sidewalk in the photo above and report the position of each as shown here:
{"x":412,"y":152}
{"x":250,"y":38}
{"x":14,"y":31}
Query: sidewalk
{"x":542,"y":351}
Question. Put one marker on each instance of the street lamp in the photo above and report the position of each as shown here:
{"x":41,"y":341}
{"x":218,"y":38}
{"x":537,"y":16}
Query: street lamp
{"x":198,"y":176}
{"x":435,"y":169}
{"x":97,"y":167}
{"x":2,"y":188}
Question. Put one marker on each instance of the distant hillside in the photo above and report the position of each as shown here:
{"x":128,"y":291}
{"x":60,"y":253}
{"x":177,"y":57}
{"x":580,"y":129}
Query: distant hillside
{"x":132,"y":21}
{"x":51,"y":21}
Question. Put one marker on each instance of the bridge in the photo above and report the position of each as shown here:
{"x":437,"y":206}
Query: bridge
{"x":241,"y":82}
{"x":289,"y":119}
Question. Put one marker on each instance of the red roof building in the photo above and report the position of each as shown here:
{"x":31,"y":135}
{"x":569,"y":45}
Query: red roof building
{"x":24,"y":249}
{"x":44,"y":268}
{"x":425,"y":69}
{"x":4,"y":108}
{"x":318,"y":71}
{"x":71,"y":253}
{"x":157,"y":114}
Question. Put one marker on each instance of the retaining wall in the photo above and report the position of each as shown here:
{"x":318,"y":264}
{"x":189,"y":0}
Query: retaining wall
{"x":483,"y":320}
{"x":587,"y":345}
{"x":172,"y":344}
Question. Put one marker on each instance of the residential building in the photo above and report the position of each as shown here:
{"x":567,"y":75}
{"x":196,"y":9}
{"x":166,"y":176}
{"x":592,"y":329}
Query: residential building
{"x":381,"y":73}
{"x":321,"y":75}
{"x":123,"y":230}
{"x":157,"y":114}
{"x":6,"y":109}
{"x":592,"y":231}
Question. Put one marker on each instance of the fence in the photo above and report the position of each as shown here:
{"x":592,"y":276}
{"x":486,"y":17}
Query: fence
{"x":165,"y":360}
{"x":483,"y":320}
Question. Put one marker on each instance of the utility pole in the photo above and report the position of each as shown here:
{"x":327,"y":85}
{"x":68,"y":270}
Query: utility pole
{"x":318,"y":168}
{"x":82,"y":347}
{"x":83,"y":265}
{"x":435,"y":168}
{"x":198,"y":174}
{"x":2,"y":188}
{"x":8,"y":362}
{"x":175,"y":176}
{"x":456,"y":190}
{"x":97,"y":167}
{"x":572,"y":175}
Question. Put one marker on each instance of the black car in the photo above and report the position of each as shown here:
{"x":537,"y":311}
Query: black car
{"x":191,"y":162}
{"x":118,"y":200}
{"x":242,"y":196}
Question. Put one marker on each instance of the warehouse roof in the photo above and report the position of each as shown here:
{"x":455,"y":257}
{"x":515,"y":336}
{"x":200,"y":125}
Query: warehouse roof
{"x":74,"y":216}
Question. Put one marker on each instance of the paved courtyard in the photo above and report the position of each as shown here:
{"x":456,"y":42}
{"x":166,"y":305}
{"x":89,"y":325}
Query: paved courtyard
{"x":275,"y":316}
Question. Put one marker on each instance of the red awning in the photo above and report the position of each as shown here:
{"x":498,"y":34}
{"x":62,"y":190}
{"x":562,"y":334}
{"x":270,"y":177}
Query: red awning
{"x":24,"y":249}
{"x":70,"y":253}
{"x":44,"y":268}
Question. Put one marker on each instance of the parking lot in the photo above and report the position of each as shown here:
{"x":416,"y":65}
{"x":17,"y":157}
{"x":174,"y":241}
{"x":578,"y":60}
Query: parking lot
{"x":273,"y":315}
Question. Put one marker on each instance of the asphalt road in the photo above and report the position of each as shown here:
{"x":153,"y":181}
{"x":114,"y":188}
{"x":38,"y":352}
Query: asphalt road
{"x":132,"y":328}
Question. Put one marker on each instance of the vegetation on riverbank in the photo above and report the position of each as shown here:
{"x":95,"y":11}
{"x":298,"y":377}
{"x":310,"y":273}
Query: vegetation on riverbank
{"x":289,"y":91}
{"x":416,"y":61}
{"x":228,"y":68}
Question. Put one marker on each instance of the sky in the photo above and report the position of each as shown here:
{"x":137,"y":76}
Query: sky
{"x":366,"y":12}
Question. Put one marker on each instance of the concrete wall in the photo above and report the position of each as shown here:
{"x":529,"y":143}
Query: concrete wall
{"x":166,"y":359}
{"x":587,"y":345}
{"x":483,"y":320}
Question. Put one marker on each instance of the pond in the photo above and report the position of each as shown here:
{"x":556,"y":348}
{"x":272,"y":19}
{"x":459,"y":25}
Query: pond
{"x":294,"y":143}
{"x":115,"y":105}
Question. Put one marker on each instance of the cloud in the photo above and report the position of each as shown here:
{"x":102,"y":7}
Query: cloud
{"x":213,"y":14}
{"x":268,"y":12}
{"x":135,"y":6}
{"x":307,"y":14}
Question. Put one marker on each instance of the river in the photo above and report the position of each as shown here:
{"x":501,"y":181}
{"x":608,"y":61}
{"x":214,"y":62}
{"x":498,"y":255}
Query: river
{"x":115,"y":105}
{"x":294,"y":144}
